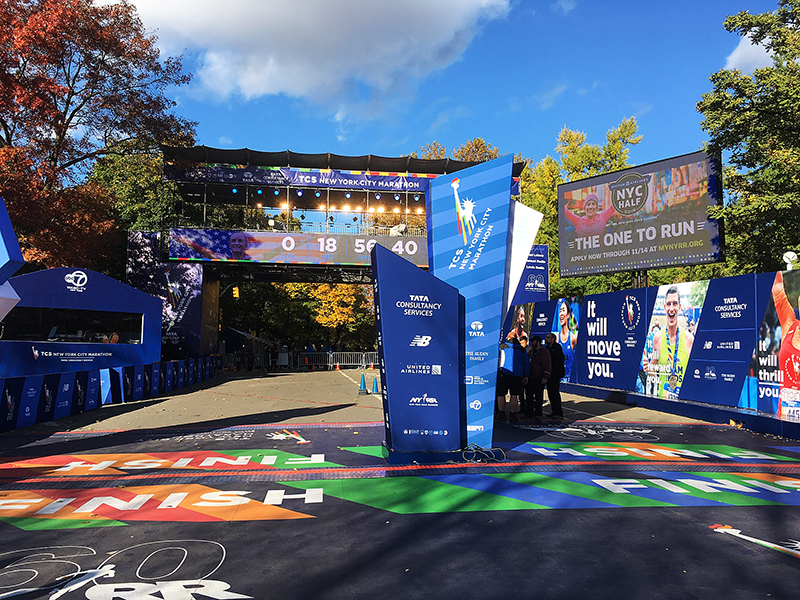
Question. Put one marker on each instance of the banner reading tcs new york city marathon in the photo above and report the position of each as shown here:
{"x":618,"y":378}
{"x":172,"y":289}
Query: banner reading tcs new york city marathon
{"x":468,"y":230}
{"x":729,"y":342}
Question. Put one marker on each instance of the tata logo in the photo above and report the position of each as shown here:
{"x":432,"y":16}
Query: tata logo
{"x":421,"y":341}
{"x":476,"y":327}
{"x":76,"y":281}
{"x":629,"y":193}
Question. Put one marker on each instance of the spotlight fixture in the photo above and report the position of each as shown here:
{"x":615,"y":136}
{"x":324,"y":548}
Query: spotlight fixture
{"x":419,"y":211}
{"x":321,"y":207}
{"x":380,"y":209}
{"x":416,"y":197}
{"x":259,"y":191}
{"x":377,"y":196}
{"x":397,"y":196}
{"x":259,"y":205}
{"x":317,"y":194}
{"x":408,"y":210}
{"x":347,"y":195}
{"x":299,"y":192}
{"x":346,"y":208}
{"x":285,"y":205}
{"x":396,"y":210}
{"x":371,"y":209}
{"x":277,"y":192}
{"x":234,"y":190}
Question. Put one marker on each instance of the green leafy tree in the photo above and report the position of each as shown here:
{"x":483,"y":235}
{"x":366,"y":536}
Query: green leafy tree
{"x":576,"y":159}
{"x":754,"y":121}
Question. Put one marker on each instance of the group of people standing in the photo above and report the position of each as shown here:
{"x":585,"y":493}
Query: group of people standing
{"x":525,"y":370}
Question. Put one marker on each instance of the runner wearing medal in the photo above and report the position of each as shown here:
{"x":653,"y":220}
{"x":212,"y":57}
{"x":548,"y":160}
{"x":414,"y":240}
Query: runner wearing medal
{"x":671,"y":349}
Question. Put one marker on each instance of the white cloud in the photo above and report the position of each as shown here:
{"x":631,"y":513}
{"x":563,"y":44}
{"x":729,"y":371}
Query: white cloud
{"x":225,"y":142}
{"x":547,"y":99}
{"x":350,"y":55}
{"x":451,"y":114}
{"x":748,"y":57}
{"x":563,"y":6}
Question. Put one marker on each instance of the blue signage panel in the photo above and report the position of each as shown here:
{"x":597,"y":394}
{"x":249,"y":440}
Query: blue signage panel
{"x":468,"y":230}
{"x":169,"y":375}
{"x":610,"y":340}
{"x":79,"y":392}
{"x":420,"y":337}
{"x":93,"y":390}
{"x":155,"y":379}
{"x":64,"y":395}
{"x":29,"y":403}
{"x":13,"y":389}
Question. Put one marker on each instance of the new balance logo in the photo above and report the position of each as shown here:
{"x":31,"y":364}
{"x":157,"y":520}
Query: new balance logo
{"x":421,"y":341}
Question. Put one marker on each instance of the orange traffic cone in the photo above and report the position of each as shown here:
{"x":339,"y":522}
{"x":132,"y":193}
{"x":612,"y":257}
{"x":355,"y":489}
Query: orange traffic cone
{"x":371,"y":368}
{"x":337,"y":367}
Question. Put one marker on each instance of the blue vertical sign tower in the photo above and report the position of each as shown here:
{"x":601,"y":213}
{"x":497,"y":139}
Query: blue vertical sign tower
{"x":468,"y":234}
{"x":420,"y":343}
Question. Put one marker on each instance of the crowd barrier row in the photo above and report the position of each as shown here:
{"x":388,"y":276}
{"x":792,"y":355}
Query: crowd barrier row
{"x":41,"y":398}
{"x":299,"y":361}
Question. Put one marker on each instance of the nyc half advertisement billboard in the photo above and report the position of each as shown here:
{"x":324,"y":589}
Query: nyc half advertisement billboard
{"x":731,"y":342}
{"x":651,"y":216}
{"x":468,"y":234}
{"x":421,"y":352}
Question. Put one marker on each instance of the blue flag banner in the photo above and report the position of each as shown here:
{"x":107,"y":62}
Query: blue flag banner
{"x":468,"y":234}
{"x":420,"y":345}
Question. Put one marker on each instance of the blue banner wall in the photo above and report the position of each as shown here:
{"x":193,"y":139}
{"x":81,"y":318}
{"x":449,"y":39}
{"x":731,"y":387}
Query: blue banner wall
{"x":729,"y":342}
{"x":420,"y":345}
{"x":468,"y":231}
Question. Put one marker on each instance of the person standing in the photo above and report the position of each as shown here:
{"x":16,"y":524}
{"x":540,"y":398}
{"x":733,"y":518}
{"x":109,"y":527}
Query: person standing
{"x":511,"y":376}
{"x":556,"y":373}
{"x":539,"y":374}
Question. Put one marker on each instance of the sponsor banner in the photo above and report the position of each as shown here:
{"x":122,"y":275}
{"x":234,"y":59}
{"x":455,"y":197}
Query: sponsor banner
{"x":562,"y":318}
{"x":533,"y":287}
{"x":728,"y":342}
{"x":289,"y":248}
{"x":610,"y":340}
{"x":468,"y":233}
{"x":420,"y":345}
{"x":649,"y":216}
{"x":721,"y":355}
{"x":286,"y":176}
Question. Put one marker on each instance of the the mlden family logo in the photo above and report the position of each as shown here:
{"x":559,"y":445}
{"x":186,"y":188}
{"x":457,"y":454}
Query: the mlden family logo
{"x":465,"y":213}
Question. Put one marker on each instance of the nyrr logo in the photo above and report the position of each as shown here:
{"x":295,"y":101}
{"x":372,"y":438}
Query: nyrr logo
{"x":476,"y":327}
{"x":421,"y":341}
{"x":629,"y":193}
{"x":423,"y":400}
{"x":76,"y":281}
{"x":535,"y":283}
{"x":465,"y":212}
{"x":631,"y":313}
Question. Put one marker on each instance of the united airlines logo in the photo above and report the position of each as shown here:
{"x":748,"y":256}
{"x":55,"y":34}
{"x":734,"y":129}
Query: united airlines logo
{"x":421,"y":341}
{"x":465,"y":213}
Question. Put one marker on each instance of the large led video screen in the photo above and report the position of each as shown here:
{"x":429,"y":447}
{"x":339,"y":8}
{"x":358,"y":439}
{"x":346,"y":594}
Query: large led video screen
{"x":290,"y":247}
{"x":651,"y":216}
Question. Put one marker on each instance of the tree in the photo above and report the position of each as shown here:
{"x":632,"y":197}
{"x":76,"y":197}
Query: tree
{"x":754,"y":120}
{"x":476,"y":150}
{"x":78,"y":81}
{"x":576,"y":160}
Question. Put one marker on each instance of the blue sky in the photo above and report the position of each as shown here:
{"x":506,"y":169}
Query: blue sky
{"x":385,"y":77}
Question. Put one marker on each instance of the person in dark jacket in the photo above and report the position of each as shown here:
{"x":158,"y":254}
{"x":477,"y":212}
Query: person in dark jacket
{"x":557,"y":372}
{"x":539,"y":376}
